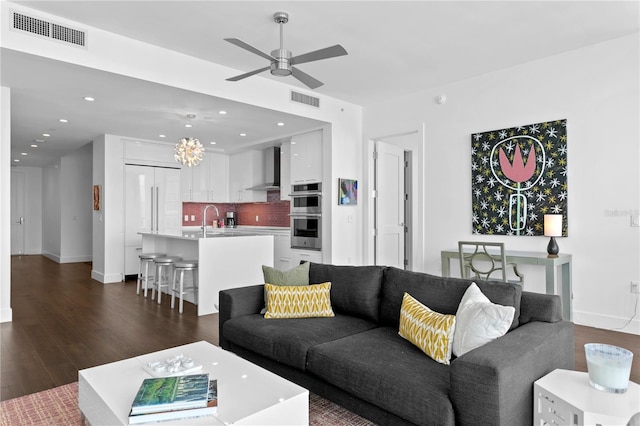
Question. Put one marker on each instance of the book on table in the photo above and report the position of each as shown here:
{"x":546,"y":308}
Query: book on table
{"x":171,"y":393}
{"x":209,"y":409}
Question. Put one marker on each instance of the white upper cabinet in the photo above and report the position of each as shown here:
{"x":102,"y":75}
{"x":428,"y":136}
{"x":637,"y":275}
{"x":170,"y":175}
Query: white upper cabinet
{"x":246,"y":170}
{"x":306,"y":157}
{"x":207,"y":181}
{"x":285,"y":170}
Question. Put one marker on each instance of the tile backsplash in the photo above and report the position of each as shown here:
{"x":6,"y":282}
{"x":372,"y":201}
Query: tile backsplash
{"x":273,"y":212}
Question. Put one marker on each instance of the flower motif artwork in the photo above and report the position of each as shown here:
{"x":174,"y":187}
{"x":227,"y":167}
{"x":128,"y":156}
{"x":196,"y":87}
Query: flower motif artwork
{"x":517,"y":176}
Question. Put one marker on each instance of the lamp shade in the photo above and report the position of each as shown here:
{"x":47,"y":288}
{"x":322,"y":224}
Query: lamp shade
{"x":553,"y":225}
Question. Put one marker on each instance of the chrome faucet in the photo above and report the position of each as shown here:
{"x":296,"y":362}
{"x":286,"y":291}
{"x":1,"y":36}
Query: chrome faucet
{"x":204,"y":219}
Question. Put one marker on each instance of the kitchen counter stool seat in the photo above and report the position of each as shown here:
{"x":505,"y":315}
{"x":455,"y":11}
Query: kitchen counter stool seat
{"x":164,"y":264}
{"x":178,"y":281}
{"x":146,"y":259}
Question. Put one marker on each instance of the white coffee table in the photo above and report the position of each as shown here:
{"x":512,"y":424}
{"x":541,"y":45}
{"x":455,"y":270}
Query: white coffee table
{"x":247,"y":394}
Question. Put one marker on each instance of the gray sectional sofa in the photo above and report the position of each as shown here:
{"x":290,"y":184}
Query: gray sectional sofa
{"x":357,"y":359}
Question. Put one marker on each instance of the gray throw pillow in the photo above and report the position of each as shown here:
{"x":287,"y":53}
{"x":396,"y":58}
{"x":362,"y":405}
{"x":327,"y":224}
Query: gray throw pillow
{"x":296,"y":276}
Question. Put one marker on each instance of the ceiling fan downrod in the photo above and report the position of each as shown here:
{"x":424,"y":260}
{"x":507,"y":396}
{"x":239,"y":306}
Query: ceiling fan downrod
{"x":281,"y":66}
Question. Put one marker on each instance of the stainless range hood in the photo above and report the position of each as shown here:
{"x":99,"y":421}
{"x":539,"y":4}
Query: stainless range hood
{"x":272,"y":170}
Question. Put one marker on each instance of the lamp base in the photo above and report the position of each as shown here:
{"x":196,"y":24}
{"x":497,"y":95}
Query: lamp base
{"x":552,"y":248}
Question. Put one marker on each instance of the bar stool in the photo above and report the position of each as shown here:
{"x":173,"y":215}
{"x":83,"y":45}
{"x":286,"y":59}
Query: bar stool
{"x":146,"y":259}
{"x":163,"y":264}
{"x":181,"y":267}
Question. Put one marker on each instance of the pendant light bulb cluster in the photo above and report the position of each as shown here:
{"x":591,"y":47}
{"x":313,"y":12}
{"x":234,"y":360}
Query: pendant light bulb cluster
{"x":189,"y":151}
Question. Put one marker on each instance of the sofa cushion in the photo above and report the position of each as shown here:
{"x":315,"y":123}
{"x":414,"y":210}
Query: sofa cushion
{"x":294,"y":276}
{"x":439,"y":294}
{"x":288,"y":340}
{"x":285,"y":301}
{"x":478,"y":321}
{"x":382,"y":368}
{"x":355,"y":290}
{"x":430,"y":331}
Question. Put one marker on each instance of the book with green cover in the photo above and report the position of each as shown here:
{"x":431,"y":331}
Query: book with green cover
{"x":188,"y":413}
{"x":171,"y":393}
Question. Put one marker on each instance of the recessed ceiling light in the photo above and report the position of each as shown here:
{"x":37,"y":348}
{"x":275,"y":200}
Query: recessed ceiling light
{"x":222,"y":112}
{"x":89,"y":99}
{"x":33,"y":145}
{"x":280,"y":124}
{"x":46,"y":135}
{"x":162,"y":136}
{"x":63,"y":120}
{"x":23,"y":153}
{"x":16,"y":160}
{"x":243,"y":134}
{"x":212,"y":142}
{"x":39,"y":140}
{"x":188,"y":125}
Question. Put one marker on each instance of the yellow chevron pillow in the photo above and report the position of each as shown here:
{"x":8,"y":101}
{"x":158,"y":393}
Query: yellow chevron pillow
{"x":430,"y":331}
{"x":298,"y":301}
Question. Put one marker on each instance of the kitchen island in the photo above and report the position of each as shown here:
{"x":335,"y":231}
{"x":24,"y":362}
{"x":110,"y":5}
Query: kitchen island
{"x":226,"y":259}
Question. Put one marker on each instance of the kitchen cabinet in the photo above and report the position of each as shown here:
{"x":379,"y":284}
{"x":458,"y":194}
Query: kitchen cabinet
{"x":282,"y":252}
{"x":306,"y":157}
{"x":285,"y":170}
{"x":207,"y":181}
{"x":152,"y":204}
{"x":246,"y":170}
{"x":305,"y":255}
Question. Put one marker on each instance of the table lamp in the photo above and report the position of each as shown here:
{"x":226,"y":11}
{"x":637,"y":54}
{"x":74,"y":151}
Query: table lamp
{"x":553,"y":228}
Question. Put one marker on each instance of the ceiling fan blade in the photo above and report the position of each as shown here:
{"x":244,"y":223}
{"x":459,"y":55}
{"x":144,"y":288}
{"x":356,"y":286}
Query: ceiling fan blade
{"x":250,"y":48}
{"x":316,"y":55}
{"x":249,"y":74}
{"x":306,"y":78}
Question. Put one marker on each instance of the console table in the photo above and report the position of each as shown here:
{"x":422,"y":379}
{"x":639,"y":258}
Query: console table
{"x":533,"y":258}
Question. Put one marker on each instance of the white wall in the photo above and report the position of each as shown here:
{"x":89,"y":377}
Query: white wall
{"x":67,"y":201}
{"x":5,"y":204}
{"x":76,"y":207}
{"x":32,"y":209}
{"x":51,"y":200}
{"x":596,"y":90}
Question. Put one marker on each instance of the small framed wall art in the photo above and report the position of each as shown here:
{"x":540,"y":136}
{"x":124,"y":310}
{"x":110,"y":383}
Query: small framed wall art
{"x":347,"y":192}
{"x":96,"y":197}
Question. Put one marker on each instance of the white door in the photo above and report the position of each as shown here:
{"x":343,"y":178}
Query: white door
{"x":168,"y":214}
{"x":17,"y":212}
{"x":389,"y":205}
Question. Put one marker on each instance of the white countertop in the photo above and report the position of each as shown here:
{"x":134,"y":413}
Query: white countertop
{"x":195,"y":233}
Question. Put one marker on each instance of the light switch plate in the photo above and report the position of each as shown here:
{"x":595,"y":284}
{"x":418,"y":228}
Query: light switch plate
{"x":635,"y":220}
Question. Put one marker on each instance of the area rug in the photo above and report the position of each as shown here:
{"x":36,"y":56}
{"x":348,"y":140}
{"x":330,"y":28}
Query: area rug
{"x":59,"y":407}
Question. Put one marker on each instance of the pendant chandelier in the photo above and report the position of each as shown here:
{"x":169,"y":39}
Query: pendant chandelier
{"x":189,"y":151}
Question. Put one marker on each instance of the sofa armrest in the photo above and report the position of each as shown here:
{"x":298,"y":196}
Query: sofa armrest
{"x":493,"y":384}
{"x":236,"y":302}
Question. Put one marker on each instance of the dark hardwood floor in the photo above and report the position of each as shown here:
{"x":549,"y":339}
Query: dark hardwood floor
{"x":63,"y":321}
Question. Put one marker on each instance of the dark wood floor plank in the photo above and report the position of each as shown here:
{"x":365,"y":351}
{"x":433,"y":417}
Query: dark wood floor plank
{"x":64,"y":321}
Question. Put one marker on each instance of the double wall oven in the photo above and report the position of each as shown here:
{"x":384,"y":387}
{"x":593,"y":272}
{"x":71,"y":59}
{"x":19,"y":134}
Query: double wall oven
{"x":306,"y":216}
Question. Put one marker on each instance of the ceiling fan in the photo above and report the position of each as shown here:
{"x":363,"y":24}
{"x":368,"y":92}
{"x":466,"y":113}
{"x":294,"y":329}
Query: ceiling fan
{"x":282,"y":62}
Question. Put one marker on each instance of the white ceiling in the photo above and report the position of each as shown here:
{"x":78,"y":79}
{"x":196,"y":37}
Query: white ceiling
{"x":395,"y":48}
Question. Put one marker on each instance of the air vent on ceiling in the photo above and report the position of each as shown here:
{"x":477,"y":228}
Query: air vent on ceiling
{"x":305,"y":99}
{"x":48,"y":29}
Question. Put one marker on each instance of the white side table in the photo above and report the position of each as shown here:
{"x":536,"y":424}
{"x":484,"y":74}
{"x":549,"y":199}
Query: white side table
{"x":565,"y":397}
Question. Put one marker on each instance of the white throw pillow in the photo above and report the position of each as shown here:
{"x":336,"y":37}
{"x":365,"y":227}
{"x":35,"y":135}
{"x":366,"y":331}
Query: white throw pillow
{"x":478,"y":321}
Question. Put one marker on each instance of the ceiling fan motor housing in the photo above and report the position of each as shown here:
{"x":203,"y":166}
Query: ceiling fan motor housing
{"x":281,"y":66}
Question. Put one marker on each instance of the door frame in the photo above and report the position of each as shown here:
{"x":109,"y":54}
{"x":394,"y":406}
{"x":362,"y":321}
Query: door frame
{"x":417,"y":240}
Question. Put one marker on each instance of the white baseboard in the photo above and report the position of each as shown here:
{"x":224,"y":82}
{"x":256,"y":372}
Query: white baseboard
{"x":51,"y":256}
{"x":6,"y":315}
{"x":608,"y":322}
{"x":106,"y":279}
{"x":76,"y":259}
